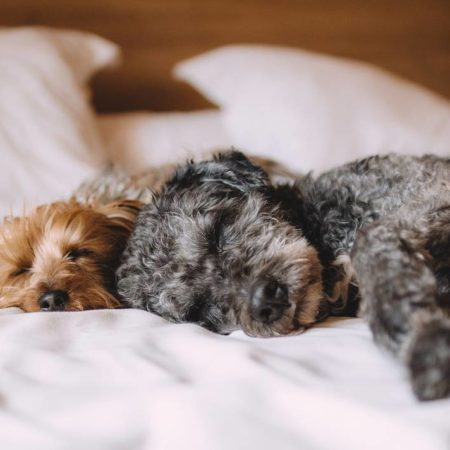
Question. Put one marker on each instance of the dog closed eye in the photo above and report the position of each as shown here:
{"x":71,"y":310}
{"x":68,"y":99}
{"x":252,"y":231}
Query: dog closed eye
{"x":74,"y":254}
{"x":196,"y":312}
{"x":217,"y":238}
{"x":21,"y":271}
{"x":218,"y":232}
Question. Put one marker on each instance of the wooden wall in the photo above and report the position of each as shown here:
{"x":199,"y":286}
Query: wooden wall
{"x":409,"y":37}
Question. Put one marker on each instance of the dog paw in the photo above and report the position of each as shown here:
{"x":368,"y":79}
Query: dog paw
{"x":429,"y":362}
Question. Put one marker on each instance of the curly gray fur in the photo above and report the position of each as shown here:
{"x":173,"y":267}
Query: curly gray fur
{"x":222,"y":246}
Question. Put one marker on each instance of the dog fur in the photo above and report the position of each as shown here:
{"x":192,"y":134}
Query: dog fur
{"x":222,"y":246}
{"x":63,"y":256}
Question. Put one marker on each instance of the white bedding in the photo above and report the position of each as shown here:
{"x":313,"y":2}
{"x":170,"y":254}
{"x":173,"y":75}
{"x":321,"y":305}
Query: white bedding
{"x":316,"y":111}
{"x":129,"y":380}
{"x":49,"y":141}
{"x":140,"y":139}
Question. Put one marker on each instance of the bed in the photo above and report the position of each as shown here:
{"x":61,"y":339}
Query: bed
{"x":127,"y":379}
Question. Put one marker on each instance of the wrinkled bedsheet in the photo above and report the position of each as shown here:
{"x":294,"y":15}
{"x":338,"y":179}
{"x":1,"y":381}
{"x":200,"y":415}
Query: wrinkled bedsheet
{"x":127,"y":379}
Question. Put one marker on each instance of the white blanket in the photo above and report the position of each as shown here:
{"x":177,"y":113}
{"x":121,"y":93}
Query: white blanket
{"x":127,"y":379}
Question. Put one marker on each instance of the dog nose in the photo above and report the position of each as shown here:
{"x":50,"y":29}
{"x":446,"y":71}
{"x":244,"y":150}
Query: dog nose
{"x":53,"y":300}
{"x":269,"y":299}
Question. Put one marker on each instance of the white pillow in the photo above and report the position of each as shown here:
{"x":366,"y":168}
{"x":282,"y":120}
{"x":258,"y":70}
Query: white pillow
{"x":48,"y":136}
{"x":313,"y":111}
{"x":137,"y":140}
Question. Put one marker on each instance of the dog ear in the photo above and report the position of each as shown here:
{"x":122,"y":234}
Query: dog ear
{"x":122,"y":213}
{"x":231,"y":169}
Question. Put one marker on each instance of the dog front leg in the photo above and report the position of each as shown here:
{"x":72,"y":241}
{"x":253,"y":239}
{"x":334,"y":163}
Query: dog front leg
{"x":399,"y":299}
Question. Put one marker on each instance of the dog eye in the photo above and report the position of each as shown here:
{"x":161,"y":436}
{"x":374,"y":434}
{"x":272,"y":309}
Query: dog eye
{"x":21,"y":271}
{"x":74,"y":254}
{"x":195,"y":312}
{"x":198,"y":310}
{"x":218,"y":237}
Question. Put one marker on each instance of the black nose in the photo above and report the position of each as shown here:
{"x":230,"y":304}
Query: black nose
{"x":269,"y":299}
{"x":53,"y":300}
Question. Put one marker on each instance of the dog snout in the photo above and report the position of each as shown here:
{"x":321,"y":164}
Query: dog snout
{"x":268,"y":301}
{"x":53,"y":300}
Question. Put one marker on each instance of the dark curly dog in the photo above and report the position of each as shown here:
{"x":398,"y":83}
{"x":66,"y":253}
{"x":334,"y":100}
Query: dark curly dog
{"x":223,"y":247}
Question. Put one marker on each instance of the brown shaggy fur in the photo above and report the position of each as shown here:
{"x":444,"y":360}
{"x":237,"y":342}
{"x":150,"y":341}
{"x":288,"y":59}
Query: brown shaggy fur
{"x":64,"y":246}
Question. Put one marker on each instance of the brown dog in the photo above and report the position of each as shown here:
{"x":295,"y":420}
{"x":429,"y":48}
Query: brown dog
{"x":63,"y":256}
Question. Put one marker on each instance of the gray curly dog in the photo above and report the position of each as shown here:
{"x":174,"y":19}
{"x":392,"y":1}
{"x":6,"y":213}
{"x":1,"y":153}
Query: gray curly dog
{"x":222,"y":246}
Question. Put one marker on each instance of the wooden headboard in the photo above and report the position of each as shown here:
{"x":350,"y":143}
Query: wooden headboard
{"x":409,"y":37}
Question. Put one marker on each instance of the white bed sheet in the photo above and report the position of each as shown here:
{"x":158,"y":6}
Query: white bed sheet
{"x":129,"y":380}
{"x":139,"y":139}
